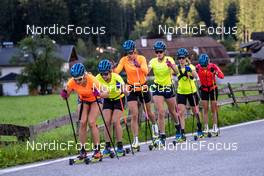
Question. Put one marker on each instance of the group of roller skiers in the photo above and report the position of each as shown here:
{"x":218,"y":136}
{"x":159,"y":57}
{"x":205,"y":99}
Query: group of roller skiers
{"x":109,"y":86}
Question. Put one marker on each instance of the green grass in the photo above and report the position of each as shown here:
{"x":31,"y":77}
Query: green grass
{"x":33,"y":110}
{"x":30,"y":110}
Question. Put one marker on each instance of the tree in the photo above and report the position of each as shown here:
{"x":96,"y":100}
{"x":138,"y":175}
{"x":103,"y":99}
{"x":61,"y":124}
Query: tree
{"x":219,"y":12}
{"x":193,"y":18}
{"x":43,"y":67}
{"x":148,"y":26}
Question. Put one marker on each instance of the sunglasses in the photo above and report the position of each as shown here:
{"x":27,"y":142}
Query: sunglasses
{"x":130,"y":53}
{"x":105,"y":74}
{"x":79,"y":79}
{"x":158,"y":52}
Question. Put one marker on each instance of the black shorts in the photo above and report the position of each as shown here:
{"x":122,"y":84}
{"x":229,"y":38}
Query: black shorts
{"x":79,"y":101}
{"x":135,"y":95}
{"x":182,"y":99}
{"x":205,"y":95}
{"x":166,"y":92}
{"x":113,"y":104}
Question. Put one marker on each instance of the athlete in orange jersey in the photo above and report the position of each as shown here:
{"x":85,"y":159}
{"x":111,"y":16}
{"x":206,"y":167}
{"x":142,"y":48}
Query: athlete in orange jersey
{"x":87,"y":88}
{"x":136,"y":69}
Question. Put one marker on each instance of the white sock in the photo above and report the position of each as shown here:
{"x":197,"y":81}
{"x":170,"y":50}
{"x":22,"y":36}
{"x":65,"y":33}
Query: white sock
{"x":155,"y":128}
{"x":215,"y":126}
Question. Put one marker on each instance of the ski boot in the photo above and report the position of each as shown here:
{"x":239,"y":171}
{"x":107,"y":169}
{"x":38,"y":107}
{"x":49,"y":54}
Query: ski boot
{"x":206,"y":132}
{"x":158,"y":142}
{"x":97,"y":156}
{"x":215,"y":131}
{"x":199,"y":135}
{"x":107,"y":152}
{"x":120,"y":152}
{"x":136,"y":145}
{"x":82,"y":157}
{"x":179,"y":138}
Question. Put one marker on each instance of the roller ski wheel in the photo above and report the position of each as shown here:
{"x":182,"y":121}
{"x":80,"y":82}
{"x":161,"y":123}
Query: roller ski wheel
{"x":87,"y":161}
{"x":71,"y":161}
{"x":136,"y":148}
{"x":215,"y":134}
{"x":112,"y":155}
{"x":195,"y":137}
{"x":208,"y":134}
{"x":127,"y":150}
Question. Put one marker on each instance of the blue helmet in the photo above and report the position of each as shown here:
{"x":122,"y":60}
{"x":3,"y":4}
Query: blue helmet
{"x":159,"y":46}
{"x":203,"y":60}
{"x":129,"y":46}
{"x":104,"y":66}
{"x":182,"y":52}
{"x":77,"y":70}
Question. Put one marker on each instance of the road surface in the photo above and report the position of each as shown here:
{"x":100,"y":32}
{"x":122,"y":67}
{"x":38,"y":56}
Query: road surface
{"x":238,"y":151}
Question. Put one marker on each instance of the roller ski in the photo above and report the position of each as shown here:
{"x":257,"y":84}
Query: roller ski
{"x":83,"y":158}
{"x":215,"y":131}
{"x":159,"y":142}
{"x":120,"y":152}
{"x":179,"y":138}
{"x":199,"y":135}
{"x":206,"y":132}
{"x":107,"y":152}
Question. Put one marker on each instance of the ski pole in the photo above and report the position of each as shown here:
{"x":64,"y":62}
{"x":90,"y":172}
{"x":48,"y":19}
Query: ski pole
{"x":80,"y":117}
{"x":106,"y":126}
{"x":125,"y":121}
{"x":145,"y":108}
{"x":217,"y":117}
{"x":176,"y":105}
{"x":195,"y":105}
{"x":73,"y":130}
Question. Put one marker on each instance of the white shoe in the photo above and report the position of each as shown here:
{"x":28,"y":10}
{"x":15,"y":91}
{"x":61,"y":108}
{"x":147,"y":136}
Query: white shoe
{"x":215,"y":129}
{"x":155,"y":131}
{"x":135,"y":143}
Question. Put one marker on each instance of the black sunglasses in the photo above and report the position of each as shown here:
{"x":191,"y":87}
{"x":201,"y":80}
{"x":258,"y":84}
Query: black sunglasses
{"x":158,"y":52}
{"x":105,"y":74}
{"x":130,"y":53}
{"x":78,"y":79}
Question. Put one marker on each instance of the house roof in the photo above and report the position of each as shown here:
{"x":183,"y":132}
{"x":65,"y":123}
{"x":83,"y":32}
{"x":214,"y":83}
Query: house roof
{"x":215,"y":50}
{"x":6,"y":55}
{"x":259,"y":55}
{"x":9,"y":77}
{"x":63,"y":51}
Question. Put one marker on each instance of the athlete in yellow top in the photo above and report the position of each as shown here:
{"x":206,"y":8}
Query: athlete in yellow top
{"x":187,"y":90}
{"x":112,"y":108}
{"x":84,"y":84}
{"x":136,"y":69}
{"x":163,"y":89}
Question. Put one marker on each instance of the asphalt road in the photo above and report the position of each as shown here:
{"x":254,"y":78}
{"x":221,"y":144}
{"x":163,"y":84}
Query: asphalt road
{"x":238,"y":151}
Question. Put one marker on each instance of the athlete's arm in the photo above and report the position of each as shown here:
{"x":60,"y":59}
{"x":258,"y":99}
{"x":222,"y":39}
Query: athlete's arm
{"x":143,"y":66}
{"x":218,"y":72}
{"x":119,"y":67}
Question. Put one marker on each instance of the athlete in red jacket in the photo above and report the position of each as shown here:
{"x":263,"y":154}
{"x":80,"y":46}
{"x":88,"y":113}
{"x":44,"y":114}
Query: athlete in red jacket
{"x":207,"y":73}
